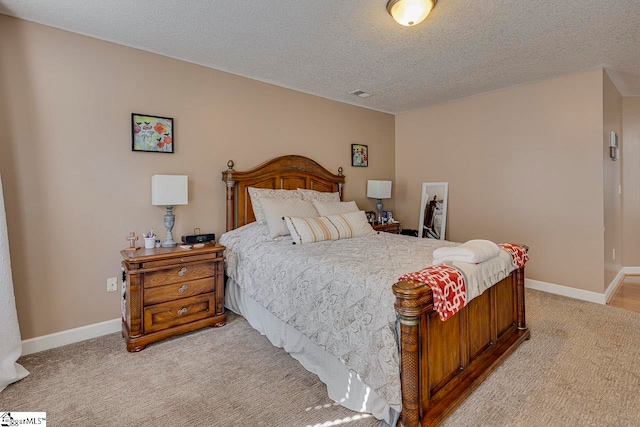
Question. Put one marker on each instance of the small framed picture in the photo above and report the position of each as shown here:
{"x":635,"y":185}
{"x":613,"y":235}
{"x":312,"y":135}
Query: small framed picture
{"x":371,"y":216}
{"x":359,"y":155}
{"x":151,"y":133}
{"x":387,"y":216}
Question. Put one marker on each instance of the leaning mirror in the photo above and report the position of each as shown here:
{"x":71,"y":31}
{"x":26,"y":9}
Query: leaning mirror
{"x":433,"y":210}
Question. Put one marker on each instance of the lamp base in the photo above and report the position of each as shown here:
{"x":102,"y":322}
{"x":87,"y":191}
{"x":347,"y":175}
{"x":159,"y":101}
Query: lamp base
{"x":379,"y":208}
{"x":169,"y":221}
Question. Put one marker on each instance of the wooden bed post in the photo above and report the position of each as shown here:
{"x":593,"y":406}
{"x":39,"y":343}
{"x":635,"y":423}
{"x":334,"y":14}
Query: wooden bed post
{"x":412,"y":300}
{"x":340,"y":184}
{"x":231,"y":186}
{"x":410,"y":371}
{"x":522,"y":323}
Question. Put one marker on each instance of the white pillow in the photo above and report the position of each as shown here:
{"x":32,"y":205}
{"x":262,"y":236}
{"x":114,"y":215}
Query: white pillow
{"x":319,"y":195}
{"x":334,"y":208}
{"x":333,"y":227}
{"x":275,"y":209}
{"x":257,"y":193}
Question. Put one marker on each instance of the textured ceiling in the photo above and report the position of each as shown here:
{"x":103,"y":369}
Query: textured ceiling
{"x":329,"y":47}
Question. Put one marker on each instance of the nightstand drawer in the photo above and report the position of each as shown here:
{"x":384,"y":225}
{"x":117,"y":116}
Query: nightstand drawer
{"x":179,"y":290}
{"x":178,"y":274}
{"x":183,"y":259}
{"x":166,"y":315}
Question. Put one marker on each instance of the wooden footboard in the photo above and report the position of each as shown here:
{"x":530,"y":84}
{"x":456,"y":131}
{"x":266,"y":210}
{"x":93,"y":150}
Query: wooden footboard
{"x":443,"y":362}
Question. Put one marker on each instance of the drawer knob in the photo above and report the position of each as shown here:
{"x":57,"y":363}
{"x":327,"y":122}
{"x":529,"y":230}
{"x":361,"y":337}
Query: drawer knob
{"x":182,"y":271}
{"x":182,"y":288}
{"x":182,"y":311}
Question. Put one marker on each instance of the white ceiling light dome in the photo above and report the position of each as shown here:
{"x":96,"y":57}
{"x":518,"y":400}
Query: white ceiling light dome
{"x":410,"y":12}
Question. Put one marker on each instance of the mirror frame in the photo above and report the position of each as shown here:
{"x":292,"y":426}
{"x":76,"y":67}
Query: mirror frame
{"x":423,"y":205}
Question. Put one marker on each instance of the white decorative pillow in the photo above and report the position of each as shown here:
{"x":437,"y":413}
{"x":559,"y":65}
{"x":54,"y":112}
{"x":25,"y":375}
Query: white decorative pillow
{"x":333,"y":227}
{"x":319,"y":195}
{"x":268,"y":193}
{"x":275,"y":209}
{"x":334,"y":208}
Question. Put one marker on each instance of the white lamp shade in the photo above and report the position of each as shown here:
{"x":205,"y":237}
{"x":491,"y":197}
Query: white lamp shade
{"x":169,"y":190}
{"x":378,"y":189}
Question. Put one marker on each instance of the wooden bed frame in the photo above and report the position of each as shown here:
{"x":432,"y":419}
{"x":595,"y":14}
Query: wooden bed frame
{"x":441,"y":362}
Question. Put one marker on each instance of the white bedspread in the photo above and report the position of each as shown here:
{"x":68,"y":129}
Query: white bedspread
{"x":337,"y":293}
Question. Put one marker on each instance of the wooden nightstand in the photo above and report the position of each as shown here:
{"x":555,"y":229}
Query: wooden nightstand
{"x":387,"y":228}
{"x":171,"y":291}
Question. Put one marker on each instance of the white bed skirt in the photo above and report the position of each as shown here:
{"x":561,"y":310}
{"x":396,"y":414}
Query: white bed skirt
{"x":343,"y":386}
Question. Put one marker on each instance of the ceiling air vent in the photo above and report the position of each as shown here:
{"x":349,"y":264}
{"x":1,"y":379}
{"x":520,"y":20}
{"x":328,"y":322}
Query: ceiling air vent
{"x":360,"y":93}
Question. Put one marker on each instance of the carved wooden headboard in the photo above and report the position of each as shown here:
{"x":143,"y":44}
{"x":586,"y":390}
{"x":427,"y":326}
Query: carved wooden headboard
{"x":286,"y":172}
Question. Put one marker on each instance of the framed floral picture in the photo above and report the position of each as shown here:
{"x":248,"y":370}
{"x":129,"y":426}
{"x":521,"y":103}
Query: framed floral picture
{"x":151,"y":133}
{"x":359,"y":155}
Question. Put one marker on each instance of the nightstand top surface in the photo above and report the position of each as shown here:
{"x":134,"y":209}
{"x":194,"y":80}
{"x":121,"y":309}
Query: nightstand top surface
{"x":393,"y":227}
{"x":142,"y":254}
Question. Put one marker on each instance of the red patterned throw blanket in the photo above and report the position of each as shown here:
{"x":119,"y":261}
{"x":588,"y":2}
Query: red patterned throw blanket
{"x":448,"y":285}
{"x":519,"y":255}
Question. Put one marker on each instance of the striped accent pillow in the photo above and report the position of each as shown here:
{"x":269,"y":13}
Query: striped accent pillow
{"x":333,"y":227}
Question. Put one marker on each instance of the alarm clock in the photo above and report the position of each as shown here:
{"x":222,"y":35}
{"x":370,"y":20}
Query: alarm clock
{"x":199,"y":238}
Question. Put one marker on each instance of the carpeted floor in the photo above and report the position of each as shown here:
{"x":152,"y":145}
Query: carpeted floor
{"x":580,"y":368}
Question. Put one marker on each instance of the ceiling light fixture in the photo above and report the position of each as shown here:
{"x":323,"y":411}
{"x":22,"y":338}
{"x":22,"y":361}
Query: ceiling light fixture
{"x":410,"y":12}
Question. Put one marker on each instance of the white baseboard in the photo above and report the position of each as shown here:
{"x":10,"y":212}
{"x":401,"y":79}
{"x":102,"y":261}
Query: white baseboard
{"x":581,"y":293}
{"x":566,"y":291}
{"x":617,"y":281}
{"x":632,"y":270}
{"x":58,"y":339}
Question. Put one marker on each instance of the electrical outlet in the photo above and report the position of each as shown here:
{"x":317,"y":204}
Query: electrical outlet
{"x":112,"y":284}
{"x":614,"y":254}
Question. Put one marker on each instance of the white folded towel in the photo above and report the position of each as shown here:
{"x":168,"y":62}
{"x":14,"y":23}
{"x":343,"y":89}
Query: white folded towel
{"x":473,"y":251}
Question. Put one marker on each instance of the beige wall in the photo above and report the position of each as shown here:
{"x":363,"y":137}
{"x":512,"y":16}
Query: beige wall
{"x":630,"y":158}
{"x":612,"y":121}
{"x":74,"y":189}
{"x":524,"y":165}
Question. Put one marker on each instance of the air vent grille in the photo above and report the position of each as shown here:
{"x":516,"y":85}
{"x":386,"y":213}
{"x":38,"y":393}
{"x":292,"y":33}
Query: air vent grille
{"x":360,"y":93}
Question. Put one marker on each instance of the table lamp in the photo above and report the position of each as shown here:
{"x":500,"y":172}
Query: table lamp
{"x":379,"y":190}
{"x":169,"y":190}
